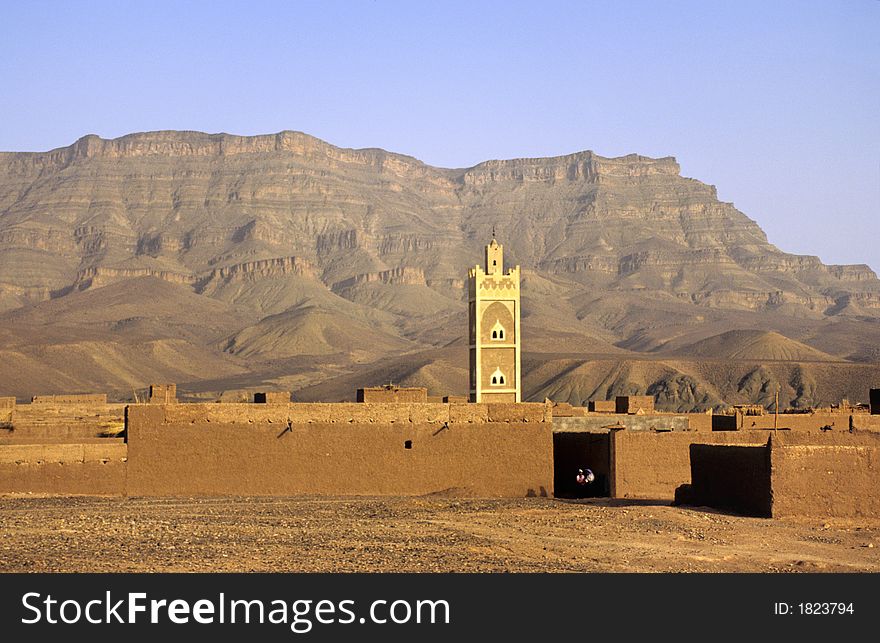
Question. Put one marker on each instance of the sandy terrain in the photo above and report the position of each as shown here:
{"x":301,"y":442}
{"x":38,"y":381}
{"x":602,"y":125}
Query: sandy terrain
{"x":415,"y":534}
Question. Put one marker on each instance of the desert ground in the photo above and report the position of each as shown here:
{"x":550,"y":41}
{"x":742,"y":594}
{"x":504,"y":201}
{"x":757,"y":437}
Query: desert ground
{"x":416,"y":534}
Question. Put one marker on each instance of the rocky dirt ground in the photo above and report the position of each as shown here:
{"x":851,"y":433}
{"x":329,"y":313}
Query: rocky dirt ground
{"x":80,"y":534}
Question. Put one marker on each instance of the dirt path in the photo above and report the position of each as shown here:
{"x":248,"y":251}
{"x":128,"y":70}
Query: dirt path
{"x":415,"y":534}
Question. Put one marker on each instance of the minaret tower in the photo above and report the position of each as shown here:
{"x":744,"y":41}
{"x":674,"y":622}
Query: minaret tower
{"x":494,"y":331}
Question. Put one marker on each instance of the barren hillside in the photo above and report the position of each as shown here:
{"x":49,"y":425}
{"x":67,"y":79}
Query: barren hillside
{"x":238,"y":262}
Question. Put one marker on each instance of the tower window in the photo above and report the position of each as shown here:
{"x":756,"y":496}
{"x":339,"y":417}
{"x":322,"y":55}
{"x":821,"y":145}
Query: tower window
{"x":497,"y":378}
{"x":498,"y":331}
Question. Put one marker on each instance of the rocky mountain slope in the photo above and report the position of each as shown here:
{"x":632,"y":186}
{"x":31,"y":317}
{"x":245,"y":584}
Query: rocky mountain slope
{"x":224,"y":261}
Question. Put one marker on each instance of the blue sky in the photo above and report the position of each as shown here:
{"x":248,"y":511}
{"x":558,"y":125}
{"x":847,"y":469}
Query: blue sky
{"x":775,"y":103}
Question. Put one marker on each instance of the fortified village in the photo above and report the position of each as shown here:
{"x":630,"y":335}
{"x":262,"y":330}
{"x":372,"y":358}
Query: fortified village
{"x":401,"y":441}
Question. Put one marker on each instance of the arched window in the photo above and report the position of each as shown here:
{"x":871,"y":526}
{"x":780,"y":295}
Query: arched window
{"x":497,"y":378}
{"x":498,"y":331}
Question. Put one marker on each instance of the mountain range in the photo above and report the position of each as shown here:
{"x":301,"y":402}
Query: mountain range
{"x":229,"y":263}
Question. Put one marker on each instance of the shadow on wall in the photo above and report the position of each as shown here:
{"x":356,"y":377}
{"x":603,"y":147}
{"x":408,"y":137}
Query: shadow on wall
{"x":730,"y":478}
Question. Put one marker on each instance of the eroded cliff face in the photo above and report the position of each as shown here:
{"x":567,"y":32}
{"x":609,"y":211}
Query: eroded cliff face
{"x":621,"y":251}
{"x":182,"y":205}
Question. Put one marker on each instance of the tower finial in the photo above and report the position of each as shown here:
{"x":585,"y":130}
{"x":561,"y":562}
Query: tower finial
{"x":493,"y":231}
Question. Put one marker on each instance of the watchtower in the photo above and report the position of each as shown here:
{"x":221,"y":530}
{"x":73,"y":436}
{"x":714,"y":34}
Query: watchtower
{"x":494,"y":329}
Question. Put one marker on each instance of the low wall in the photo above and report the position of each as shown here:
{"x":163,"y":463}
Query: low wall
{"x":69,"y":422}
{"x":163,"y":393}
{"x":699,"y":421}
{"x":645,"y":464}
{"x":835,"y":476}
{"x":6,"y":439}
{"x":400,"y":395}
{"x":562,"y":410}
{"x":866,"y":422}
{"x":454,"y":399}
{"x":735,"y":478}
{"x":726,"y":422}
{"x":64,"y":469}
{"x":634,"y":403}
{"x":797,"y":421}
{"x":82,"y":400}
{"x":272,"y":397}
{"x":826,"y":480}
{"x":340,"y":449}
{"x":353,"y":412}
{"x":604,"y":421}
{"x":7,"y":412}
{"x":602,"y":406}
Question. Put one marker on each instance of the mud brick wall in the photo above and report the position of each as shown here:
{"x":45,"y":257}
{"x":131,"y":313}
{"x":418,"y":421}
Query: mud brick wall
{"x":726,"y":422}
{"x":602,"y":406}
{"x":653,"y":465}
{"x":634,"y":403}
{"x":645,"y":464}
{"x":340,"y":449}
{"x":81,"y":400}
{"x":64,"y":469}
{"x":70,"y":422}
{"x":272,"y":397}
{"x":163,"y":393}
{"x":562,"y":410}
{"x":826,"y":480}
{"x":566,"y":410}
{"x":602,"y":421}
{"x":400,"y":395}
{"x":734,"y":478}
{"x":7,"y":412}
{"x":797,"y":421}
{"x":12,"y":439}
{"x":699,"y":421}
{"x":866,"y":423}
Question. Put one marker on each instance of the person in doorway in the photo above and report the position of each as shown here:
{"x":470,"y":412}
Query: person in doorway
{"x":584,"y":477}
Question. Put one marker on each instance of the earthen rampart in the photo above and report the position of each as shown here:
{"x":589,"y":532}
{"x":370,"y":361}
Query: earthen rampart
{"x":398,"y":394}
{"x":833,"y":477}
{"x":272,"y":397}
{"x":64,"y":469}
{"x":611,"y":421}
{"x":340,"y":449}
{"x":646,"y":464}
{"x":80,"y":400}
{"x":70,"y":422}
{"x":826,"y":480}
